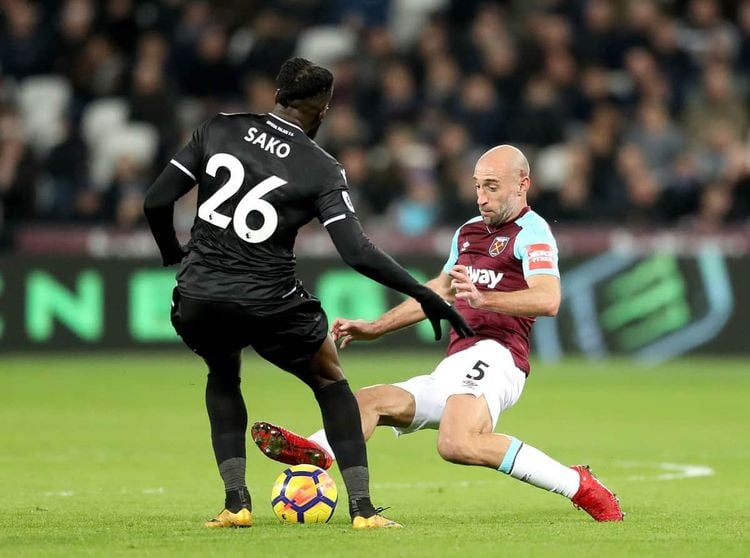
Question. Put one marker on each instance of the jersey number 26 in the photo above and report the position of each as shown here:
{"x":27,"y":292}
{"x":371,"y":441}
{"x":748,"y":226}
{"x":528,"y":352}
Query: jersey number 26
{"x":250,"y":202}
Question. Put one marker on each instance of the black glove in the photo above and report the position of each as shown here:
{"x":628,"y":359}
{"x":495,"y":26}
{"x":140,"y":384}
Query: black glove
{"x":174,"y":257}
{"x":436,"y":309}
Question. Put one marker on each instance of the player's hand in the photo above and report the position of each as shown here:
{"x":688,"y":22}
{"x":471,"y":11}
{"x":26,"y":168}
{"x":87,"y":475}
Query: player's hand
{"x":347,"y":331}
{"x":174,"y":258}
{"x":462,"y":284}
{"x":436,"y":309}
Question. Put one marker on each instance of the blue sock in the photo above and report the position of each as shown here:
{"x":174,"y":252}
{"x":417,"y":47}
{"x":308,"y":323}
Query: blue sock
{"x":510,"y":456}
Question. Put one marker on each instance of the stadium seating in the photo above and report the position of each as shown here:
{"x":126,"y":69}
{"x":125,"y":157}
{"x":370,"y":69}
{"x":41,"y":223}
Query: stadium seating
{"x":408,"y":16}
{"x":42,"y":100}
{"x":138,"y":141}
{"x":101,"y":116}
{"x":326,"y":44}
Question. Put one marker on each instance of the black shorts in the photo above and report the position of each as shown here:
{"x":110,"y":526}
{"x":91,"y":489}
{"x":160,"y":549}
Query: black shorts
{"x":288,"y":339}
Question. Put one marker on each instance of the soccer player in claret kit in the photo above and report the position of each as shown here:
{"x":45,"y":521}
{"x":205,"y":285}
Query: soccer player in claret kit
{"x":502,"y":272}
{"x":260,"y":178}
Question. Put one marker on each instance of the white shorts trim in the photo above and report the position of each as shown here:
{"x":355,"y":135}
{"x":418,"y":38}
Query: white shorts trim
{"x":501,"y":384}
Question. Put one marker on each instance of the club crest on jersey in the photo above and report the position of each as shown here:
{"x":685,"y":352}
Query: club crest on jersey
{"x":498,"y":245}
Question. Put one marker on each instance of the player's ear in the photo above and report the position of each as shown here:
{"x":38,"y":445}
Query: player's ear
{"x":276,"y":97}
{"x":524,"y":185}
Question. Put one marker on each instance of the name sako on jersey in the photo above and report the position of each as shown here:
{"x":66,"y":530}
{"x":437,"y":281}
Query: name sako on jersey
{"x":260,"y":178}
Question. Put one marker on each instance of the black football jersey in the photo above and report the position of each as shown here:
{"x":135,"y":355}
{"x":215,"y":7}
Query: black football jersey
{"x":260,"y":178}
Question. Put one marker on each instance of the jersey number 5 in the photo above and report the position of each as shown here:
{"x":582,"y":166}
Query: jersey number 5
{"x":250,"y":202}
{"x":480,"y":369}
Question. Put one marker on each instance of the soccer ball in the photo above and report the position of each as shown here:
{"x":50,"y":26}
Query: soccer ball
{"x":304,"y":494}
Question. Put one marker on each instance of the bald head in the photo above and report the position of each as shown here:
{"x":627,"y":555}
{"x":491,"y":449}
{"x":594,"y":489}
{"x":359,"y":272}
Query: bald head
{"x":504,"y":159}
{"x":502,"y":179}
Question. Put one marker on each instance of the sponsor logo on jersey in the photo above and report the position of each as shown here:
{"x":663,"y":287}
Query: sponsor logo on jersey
{"x":279,"y":128}
{"x":465,"y":245}
{"x":347,"y":200}
{"x":267,"y":143}
{"x":541,"y":256}
{"x":498,"y":245}
{"x":488,"y":277}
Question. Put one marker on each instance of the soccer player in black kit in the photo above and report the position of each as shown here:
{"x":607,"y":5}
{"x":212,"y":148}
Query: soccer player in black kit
{"x":260,"y":178}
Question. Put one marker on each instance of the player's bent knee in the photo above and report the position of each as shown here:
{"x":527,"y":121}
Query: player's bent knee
{"x":364,"y":396}
{"x":388,"y":402}
{"x":455,"y":449}
{"x":371,"y":398}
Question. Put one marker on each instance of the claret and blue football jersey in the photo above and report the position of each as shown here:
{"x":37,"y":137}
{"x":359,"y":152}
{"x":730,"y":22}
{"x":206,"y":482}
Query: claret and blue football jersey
{"x":501,"y":259}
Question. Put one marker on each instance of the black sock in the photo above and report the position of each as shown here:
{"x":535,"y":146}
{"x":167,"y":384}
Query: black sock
{"x":237,"y":499}
{"x":362,"y":507}
{"x":228,"y":417}
{"x":343,"y":427}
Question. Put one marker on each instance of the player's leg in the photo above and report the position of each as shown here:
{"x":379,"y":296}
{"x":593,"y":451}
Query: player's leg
{"x":407,"y":406}
{"x":200,"y":324}
{"x":299,"y":343}
{"x":466,"y":434}
{"x":227,"y":416}
{"x":466,"y":437}
{"x":342,"y":424}
{"x":379,"y":405}
{"x":384,"y":405}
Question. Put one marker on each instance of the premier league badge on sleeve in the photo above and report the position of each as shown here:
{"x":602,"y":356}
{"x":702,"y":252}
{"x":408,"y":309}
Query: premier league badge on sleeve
{"x":347,"y":200}
{"x":498,"y":245}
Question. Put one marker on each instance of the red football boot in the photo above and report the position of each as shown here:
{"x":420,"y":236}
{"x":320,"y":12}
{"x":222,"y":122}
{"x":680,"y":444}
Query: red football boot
{"x":595,"y":498}
{"x":287,"y":447}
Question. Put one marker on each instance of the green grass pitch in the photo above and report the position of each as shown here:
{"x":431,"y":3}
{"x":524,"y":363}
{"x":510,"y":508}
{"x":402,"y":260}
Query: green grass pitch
{"x":110,"y":456}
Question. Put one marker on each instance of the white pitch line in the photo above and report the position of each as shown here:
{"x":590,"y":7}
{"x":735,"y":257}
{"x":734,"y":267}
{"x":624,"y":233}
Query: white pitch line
{"x":65,"y":493}
{"x":60,"y":493}
{"x":422,"y":484}
{"x":676,"y":471}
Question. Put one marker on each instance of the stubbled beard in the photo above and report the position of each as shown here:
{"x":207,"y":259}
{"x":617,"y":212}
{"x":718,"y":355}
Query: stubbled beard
{"x":497,"y":219}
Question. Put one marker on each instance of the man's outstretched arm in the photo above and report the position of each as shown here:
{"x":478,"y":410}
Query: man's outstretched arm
{"x":404,"y":315}
{"x":359,"y":253}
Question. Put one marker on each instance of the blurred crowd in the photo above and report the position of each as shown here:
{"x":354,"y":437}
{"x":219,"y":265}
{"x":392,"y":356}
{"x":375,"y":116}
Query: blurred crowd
{"x":633,"y":113}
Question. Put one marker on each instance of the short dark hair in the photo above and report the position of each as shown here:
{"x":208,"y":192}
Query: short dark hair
{"x":300,"y":79}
